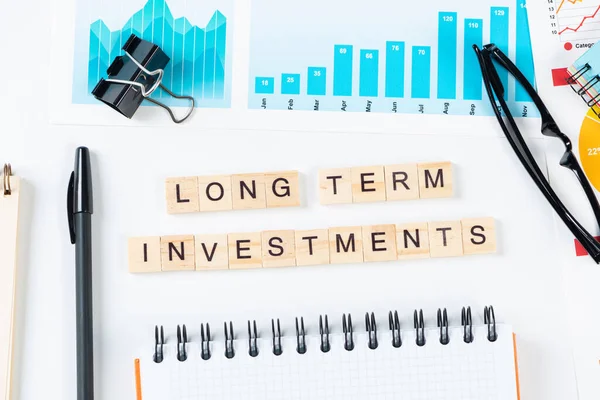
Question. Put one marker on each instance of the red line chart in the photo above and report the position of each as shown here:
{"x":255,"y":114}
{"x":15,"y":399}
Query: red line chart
{"x":583,"y":20}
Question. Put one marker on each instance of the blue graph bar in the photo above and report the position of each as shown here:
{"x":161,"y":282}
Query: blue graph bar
{"x":421,"y":72}
{"x":199,"y":63}
{"x":447,"y":48}
{"x":178,"y":49}
{"x":187,"y":64}
{"x":499,"y":36}
{"x":221,"y":47}
{"x":209,"y":63}
{"x":290,"y":83}
{"x":317,"y":81}
{"x":342,"y":70}
{"x":472,"y":81}
{"x":394,"y":69}
{"x":369,"y":73}
{"x":524,"y":56}
{"x":264,"y":85}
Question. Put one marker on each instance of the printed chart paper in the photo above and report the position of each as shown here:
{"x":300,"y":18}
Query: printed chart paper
{"x":562,"y":31}
{"x":194,"y":35}
{"x":248,"y":64}
{"x":308,"y":56}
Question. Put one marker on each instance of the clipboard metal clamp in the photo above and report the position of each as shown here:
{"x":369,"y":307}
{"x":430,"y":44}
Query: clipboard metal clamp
{"x":7,"y":172}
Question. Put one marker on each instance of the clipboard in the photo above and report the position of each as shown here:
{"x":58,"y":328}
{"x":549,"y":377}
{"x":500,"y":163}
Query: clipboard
{"x":9,"y":217}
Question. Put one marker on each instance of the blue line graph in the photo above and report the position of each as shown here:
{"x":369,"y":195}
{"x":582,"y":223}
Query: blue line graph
{"x":199,"y":64}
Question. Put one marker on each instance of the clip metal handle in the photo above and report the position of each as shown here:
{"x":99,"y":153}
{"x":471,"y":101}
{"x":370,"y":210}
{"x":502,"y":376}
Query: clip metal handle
{"x":142,"y":87}
{"x":157,"y":84}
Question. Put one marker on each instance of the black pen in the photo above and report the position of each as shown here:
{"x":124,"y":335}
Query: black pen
{"x":80,"y":207}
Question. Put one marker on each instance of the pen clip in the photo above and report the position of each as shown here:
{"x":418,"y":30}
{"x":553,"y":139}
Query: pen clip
{"x":70,"y":213}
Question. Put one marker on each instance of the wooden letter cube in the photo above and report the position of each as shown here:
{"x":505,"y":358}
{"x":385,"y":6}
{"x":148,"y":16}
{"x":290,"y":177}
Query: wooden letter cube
{"x":248,"y":191}
{"x":412,"y":240}
{"x":445,"y":239}
{"x":401,"y":182}
{"x":345,"y":245}
{"x":335,"y":186}
{"x":182,"y":195}
{"x":278,"y":249}
{"x":177,"y":253}
{"x":245,"y":250}
{"x":479,"y":235}
{"x":144,"y":254}
{"x":282,"y":189}
{"x":312,"y":247}
{"x":435,"y":180}
{"x":211,"y":252}
{"x":368,"y":184}
{"x":215,"y":193}
{"x":379,"y":243}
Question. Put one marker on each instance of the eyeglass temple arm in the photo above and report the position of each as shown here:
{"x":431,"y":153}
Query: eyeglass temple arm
{"x":569,"y":161}
{"x":520,"y":147}
{"x":506,"y":62}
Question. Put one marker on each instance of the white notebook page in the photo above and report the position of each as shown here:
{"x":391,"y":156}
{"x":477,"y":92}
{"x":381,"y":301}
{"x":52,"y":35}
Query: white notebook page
{"x":481,"y":370}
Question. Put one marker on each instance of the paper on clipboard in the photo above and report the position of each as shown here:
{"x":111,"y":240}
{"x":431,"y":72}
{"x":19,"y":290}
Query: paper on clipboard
{"x":9,"y":214}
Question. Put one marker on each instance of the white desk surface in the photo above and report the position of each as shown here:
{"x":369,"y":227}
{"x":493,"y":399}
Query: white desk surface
{"x":523,"y":281}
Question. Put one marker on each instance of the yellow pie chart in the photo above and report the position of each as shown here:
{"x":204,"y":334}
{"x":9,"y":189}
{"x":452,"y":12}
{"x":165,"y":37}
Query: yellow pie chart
{"x":589,"y":148}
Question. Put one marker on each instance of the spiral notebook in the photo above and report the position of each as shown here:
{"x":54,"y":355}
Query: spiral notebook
{"x":584,"y":77}
{"x":371,"y":360}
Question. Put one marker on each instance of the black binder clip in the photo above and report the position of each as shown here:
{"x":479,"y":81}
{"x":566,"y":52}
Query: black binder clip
{"x":134,"y":77}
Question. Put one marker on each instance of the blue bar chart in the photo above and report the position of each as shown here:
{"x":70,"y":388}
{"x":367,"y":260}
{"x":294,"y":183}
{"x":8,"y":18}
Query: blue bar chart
{"x":411,"y":61}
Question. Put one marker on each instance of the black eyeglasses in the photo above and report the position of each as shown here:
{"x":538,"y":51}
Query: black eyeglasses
{"x":495,"y":91}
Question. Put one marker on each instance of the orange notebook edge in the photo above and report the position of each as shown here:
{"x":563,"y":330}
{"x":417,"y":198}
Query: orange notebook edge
{"x":138,"y":379}
{"x":516,"y":368}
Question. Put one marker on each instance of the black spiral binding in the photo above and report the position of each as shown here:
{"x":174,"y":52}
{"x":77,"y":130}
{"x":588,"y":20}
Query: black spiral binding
{"x":277,"y":348}
{"x":371,"y":326}
{"x":419,"y":328}
{"x":348,"y":329}
{"x":300,"y":336}
{"x":442,"y":323}
{"x":205,"y":342}
{"x":159,"y":342}
{"x":580,"y":72}
{"x":229,"y":350}
{"x":582,"y":90}
{"x":181,"y":342}
{"x":466,"y":320}
{"x":395,"y":329}
{"x":252,"y":340}
{"x":324,"y":334}
{"x":490,"y":319}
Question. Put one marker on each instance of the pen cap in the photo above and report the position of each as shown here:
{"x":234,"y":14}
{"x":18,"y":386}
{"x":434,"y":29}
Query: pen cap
{"x":82,"y":182}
